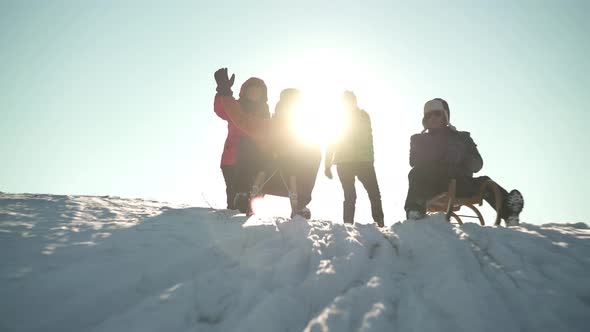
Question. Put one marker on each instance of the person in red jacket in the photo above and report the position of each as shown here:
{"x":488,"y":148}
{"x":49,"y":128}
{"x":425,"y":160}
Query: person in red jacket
{"x":298,"y":163}
{"x":241,"y":159}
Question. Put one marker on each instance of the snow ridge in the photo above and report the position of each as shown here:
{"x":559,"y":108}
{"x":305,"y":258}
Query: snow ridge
{"x":110,"y":264}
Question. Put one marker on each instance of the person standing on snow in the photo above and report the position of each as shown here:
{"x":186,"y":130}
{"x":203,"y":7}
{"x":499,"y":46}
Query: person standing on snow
{"x":241,"y":158}
{"x":271,"y":136}
{"x":354,"y":157}
{"x":441,"y":153}
{"x":293,"y":156}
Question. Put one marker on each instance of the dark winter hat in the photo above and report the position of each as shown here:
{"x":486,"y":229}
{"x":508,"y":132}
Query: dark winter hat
{"x":289,"y":94}
{"x":437,"y":104}
{"x":254,"y":81}
{"x":286,"y":100}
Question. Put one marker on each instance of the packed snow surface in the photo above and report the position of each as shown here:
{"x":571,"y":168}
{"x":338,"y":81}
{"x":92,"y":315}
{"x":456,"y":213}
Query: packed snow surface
{"x":80,"y":263}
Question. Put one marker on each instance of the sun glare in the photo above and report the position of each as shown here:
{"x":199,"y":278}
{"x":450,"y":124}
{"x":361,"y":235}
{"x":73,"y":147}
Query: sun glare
{"x":318,"y":119}
{"x":267,"y":206}
{"x":259,"y":206}
{"x":322,"y":75}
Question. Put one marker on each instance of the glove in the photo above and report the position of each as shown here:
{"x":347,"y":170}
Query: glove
{"x":328,"y":173}
{"x":224,"y":83}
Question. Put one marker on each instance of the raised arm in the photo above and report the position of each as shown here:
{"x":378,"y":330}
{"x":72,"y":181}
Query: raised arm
{"x":224,"y":84}
{"x":252,"y":126}
{"x":219,"y":109}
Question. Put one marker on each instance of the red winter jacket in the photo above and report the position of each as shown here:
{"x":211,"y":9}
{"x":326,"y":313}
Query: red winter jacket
{"x":271,"y":135}
{"x":234,"y":133}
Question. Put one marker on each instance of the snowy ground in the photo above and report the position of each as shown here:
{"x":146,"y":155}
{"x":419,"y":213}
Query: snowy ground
{"x":111,"y":264}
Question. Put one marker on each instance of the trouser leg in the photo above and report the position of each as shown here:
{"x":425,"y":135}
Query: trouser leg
{"x":424,"y":184}
{"x":368,"y":178}
{"x":306,"y":178}
{"x":248,"y":164}
{"x":229,"y":177}
{"x":491,"y":198}
{"x":347,"y":176}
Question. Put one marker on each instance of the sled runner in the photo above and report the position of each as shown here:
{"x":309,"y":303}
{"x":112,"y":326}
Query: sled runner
{"x":449,"y":203}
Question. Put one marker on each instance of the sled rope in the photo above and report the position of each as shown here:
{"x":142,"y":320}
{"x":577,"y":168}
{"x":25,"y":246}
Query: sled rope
{"x":268,"y":179}
{"x":284,"y":182}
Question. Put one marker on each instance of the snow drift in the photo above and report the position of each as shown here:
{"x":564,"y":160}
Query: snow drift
{"x":110,"y":264}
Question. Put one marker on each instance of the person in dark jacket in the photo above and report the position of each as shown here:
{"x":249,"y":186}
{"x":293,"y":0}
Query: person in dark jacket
{"x":294,"y":156}
{"x":289,"y":157}
{"x":441,"y":153}
{"x":353,"y":154}
{"x":241,"y":159}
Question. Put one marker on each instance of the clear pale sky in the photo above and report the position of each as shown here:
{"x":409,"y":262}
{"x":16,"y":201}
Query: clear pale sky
{"x":116,"y":97}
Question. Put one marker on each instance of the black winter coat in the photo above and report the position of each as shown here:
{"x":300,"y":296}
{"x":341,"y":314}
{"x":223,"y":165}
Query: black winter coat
{"x":356,"y":142}
{"x":446,"y":149}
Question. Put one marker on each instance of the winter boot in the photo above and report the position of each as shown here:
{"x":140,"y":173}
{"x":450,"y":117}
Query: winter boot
{"x":305,"y":213}
{"x":242,"y":202}
{"x":514,"y":206}
{"x":377,"y":212}
{"x":414,"y":215}
{"x":230,"y":202}
{"x":380,"y":222}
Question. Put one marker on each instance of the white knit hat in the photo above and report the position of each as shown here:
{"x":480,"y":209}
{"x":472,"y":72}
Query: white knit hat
{"x":437,"y":104}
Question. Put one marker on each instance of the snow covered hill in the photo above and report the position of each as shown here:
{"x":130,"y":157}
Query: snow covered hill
{"x":78,"y":263}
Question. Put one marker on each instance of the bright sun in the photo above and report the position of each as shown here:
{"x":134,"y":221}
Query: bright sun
{"x":322,"y":75}
{"x":318,"y":119}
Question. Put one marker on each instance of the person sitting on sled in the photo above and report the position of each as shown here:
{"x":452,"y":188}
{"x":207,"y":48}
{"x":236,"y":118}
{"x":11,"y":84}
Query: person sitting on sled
{"x":354,"y":157}
{"x":267,"y":134}
{"x":241,"y":159}
{"x":441,"y":153}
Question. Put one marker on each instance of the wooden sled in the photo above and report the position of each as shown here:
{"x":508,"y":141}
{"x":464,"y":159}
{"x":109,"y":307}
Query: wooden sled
{"x":449,"y":203}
